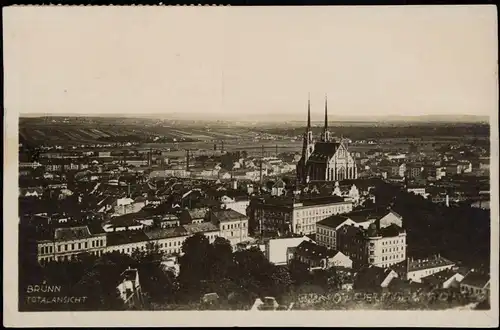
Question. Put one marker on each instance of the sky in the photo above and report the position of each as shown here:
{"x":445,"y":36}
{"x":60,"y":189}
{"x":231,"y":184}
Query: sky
{"x":252,"y":62}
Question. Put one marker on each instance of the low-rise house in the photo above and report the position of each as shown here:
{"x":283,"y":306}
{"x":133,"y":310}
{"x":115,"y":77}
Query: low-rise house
{"x":349,"y":192}
{"x":320,"y":257}
{"x":417,"y":190}
{"x":373,"y":278}
{"x":445,"y":279}
{"x":475,"y":284}
{"x":278,"y":188}
{"x":415,"y":269}
{"x":277,"y":249}
{"x":130,"y":289}
{"x":31,"y":192}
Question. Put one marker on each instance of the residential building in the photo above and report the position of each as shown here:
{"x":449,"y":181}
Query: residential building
{"x":414,"y":170}
{"x":69,"y":242}
{"x":122,"y":223}
{"x":130,"y":289}
{"x":284,"y":215}
{"x":325,"y":159}
{"x":277,"y":250}
{"x":373,"y":278}
{"x":377,"y":246}
{"x":475,"y":284}
{"x":464,"y":166}
{"x":348,"y":192}
{"x":417,"y":190}
{"x":278,"y":188}
{"x":236,"y":203}
{"x":232,"y":225}
{"x":445,"y":279}
{"x":415,"y":269}
{"x":327,"y":229}
{"x":320,"y":257}
{"x":398,"y":170}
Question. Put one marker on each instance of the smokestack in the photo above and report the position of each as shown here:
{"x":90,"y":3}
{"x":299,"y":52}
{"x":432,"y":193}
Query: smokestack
{"x":215,"y":147}
{"x":222,"y":147}
{"x":187,"y":160}
{"x":261,"y":160}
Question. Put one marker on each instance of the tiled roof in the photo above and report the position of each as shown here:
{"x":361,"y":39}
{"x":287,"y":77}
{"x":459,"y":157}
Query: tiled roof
{"x":125,"y":220}
{"x":439,"y":277}
{"x":228,"y":215}
{"x":371,"y":276}
{"x":313,"y":251}
{"x":198,"y":213}
{"x":476,"y":279}
{"x":323,"y":150}
{"x":125,"y":237}
{"x":203,"y":227}
{"x":166,"y":233}
{"x":72,"y":233}
{"x":333,"y":221}
{"x":429,"y":263}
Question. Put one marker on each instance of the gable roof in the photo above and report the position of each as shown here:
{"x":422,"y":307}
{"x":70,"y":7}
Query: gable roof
{"x":372,"y":276}
{"x":313,"y":251}
{"x":476,"y":279}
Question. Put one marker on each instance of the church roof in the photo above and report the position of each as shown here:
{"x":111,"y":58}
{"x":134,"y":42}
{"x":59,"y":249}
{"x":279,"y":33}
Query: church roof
{"x":323,"y":151}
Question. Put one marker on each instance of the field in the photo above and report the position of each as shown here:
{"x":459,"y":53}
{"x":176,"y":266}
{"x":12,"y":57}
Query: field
{"x":178,"y":136}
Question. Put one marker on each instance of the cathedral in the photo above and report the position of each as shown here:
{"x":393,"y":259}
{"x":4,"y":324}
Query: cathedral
{"x":326,"y":159}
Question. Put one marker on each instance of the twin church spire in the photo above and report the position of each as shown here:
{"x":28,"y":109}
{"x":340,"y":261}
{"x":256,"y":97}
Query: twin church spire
{"x":325,"y":136}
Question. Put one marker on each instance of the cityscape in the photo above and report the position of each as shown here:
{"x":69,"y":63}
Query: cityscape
{"x":237,"y":160}
{"x":150,"y":215}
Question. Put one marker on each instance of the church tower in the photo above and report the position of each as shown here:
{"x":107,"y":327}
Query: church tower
{"x":307,"y":146}
{"x":308,"y":143}
{"x":325,"y":137}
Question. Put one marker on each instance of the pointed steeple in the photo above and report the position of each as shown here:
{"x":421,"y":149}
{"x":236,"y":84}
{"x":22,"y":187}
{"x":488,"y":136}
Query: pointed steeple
{"x":326,"y":113}
{"x":309,"y":112}
{"x":326,"y":135}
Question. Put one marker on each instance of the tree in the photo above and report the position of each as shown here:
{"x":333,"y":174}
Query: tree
{"x":281,"y":280}
{"x":252,"y":272}
{"x":299,"y":272}
{"x":221,"y":256}
{"x":194,"y":266}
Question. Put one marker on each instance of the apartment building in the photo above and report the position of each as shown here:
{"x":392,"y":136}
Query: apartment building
{"x":69,"y":242}
{"x":416,"y":269}
{"x":327,"y":229}
{"x":376,"y":246}
{"x":285,"y":215}
{"x":232,"y":225}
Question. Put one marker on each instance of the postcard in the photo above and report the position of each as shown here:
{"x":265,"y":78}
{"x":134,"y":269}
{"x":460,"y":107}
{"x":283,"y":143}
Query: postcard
{"x":251,"y":166}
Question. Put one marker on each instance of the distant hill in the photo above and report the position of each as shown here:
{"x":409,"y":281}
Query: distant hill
{"x":292,"y":119}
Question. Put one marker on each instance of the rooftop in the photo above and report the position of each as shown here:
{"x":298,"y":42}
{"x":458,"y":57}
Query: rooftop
{"x":314,"y":251}
{"x":228,"y":215}
{"x":156,"y":234}
{"x":333,"y":221}
{"x":72,"y":233}
{"x":125,"y":237}
{"x":476,"y":279}
{"x":203,"y":227}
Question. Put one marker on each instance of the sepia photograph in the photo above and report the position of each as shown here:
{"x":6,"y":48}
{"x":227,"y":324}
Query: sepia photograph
{"x":295,"y":160}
